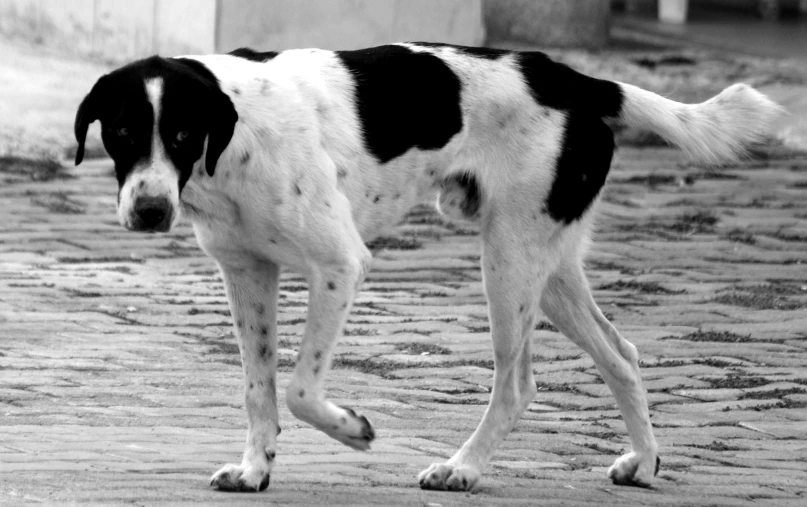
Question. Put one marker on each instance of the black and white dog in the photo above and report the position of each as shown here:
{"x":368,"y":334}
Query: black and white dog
{"x":297,"y":158}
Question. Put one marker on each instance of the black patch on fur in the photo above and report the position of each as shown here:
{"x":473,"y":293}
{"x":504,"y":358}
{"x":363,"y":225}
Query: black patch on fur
{"x":473,"y":197}
{"x":404,"y":99}
{"x":264,"y":330}
{"x":583,"y":165}
{"x":297,"y":189}
{"x":486,"y":53}
{"x":252,"y":55}
{"x":317,"y":355}
{"x":331,"y":286}
{"x":245,"y":158}
{"x":191,"y":101}
{"x":558,"y":86}
{"x":301,"y":394}
{"x":263,"y":350}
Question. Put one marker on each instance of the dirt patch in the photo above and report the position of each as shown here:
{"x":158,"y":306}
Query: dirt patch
{"x":763,"y":297}
{"x":421,"y":349}
{"x":712,"y":336}
{"x":740,"y":236}
{"x":695,"y":222}
{"x":735,"y":381}
{"x":25,"y":169}
{"x":394,"y":243}
{"x":773,"y":394}
{"x":59,"y":202}
{"x":640,"y":287}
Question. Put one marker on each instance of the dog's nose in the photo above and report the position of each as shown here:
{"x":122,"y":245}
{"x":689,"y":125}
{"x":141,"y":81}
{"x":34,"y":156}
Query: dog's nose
{"x":153,"y":214}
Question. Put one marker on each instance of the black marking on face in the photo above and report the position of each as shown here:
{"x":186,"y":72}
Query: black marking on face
{"x":263,"y":350}
{"x":252,"y":55}
{"x":317,"y":355}
{"x":191,"y":103}
{"x":376,"y":198}
{"x":558,"y":86}
{"x":472,"y":202}
{"x":331,"y":286}
{"x":486,"y":53}
{"x":245,"y":158}
{"x":404,"y":99}
{"x":260,"y":308}
{"x":264,"y":330}
{"x":301,"y":394}
{"x":251,"y":385}
{"x":583,"y":165}
{"x":297,"y":189}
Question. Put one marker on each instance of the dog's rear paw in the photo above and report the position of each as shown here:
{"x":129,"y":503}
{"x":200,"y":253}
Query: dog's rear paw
{"x":634,"y":469}
{"x":448,"y":477}
{"x":353,"y":430}
{"x":244,"y":478}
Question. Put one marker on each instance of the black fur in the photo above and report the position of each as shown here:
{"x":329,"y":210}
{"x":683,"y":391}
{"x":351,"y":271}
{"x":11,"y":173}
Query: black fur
{"x":404,"y":99}
{"x":486,"y":53}
{"x":473,"y":197}
{"x":583,"y":165}
{"x":252,"y":55}
{"x":192,"y":101}
{"x":555,"y":85}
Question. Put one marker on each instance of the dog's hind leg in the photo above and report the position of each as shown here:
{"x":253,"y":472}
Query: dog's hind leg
{"x":252,"y":289}
{"x":514,"y":266}
{"x":568,"y":303}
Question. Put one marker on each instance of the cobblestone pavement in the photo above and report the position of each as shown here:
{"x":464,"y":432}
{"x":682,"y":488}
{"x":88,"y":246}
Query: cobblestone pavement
{"x":120,"y":379}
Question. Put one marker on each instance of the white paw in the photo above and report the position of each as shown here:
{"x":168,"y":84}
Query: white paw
{"x":634,"y":469}
{"x":245,"y":478}
{"x":448,"y":477}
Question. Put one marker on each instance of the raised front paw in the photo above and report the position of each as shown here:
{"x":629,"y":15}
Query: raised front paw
{"x":353,"y":430}
{"x":448,"y":477}
{"x":634,"y":469}
{"x":245,"y":478}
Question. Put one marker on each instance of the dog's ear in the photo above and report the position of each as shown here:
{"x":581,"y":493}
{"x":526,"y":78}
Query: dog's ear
{"x":88,"y":112}
{"x":221,"y":124}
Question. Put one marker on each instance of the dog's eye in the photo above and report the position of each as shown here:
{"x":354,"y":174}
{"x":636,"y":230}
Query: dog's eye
{"x":122,"y":132}
{"x":181,"y":136}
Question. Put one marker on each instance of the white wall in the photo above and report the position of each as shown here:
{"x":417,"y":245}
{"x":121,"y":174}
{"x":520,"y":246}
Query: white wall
{"x":121,"y":30}
{"x":113,"y":30}
{"x":346,"y":24}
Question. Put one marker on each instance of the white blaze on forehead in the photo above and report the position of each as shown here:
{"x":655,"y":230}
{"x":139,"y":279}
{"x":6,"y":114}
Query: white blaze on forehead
{"x":154,"y":91}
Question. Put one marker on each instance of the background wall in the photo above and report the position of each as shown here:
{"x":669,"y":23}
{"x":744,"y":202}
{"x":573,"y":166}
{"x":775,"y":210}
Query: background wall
{"x":120,"y":30}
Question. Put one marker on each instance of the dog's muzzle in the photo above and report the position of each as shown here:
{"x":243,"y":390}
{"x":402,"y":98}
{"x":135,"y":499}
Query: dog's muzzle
{"x":152,"y":214}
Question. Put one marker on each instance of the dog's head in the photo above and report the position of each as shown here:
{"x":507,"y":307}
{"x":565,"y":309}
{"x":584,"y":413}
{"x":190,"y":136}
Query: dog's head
{"x":160,"y":118}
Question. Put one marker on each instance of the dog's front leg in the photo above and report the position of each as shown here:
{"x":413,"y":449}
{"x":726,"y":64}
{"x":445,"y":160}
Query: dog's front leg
{"x":252,"y":291}
{"x":332,"y":287}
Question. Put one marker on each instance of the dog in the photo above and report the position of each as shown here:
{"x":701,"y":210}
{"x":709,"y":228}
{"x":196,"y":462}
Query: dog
{"x":299,"y":157}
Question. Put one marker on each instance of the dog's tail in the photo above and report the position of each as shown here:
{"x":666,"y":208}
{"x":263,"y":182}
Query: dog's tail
{"x":714,"y":132}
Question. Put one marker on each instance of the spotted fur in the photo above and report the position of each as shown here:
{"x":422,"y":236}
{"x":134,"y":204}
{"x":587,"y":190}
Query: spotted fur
{"x":298,"y":158}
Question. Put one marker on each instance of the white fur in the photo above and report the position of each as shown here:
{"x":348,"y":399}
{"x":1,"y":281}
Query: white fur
{"x":297,"y":187}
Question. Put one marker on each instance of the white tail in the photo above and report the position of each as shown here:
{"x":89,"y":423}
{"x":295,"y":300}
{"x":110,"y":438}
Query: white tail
{"x":715,"y":132}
